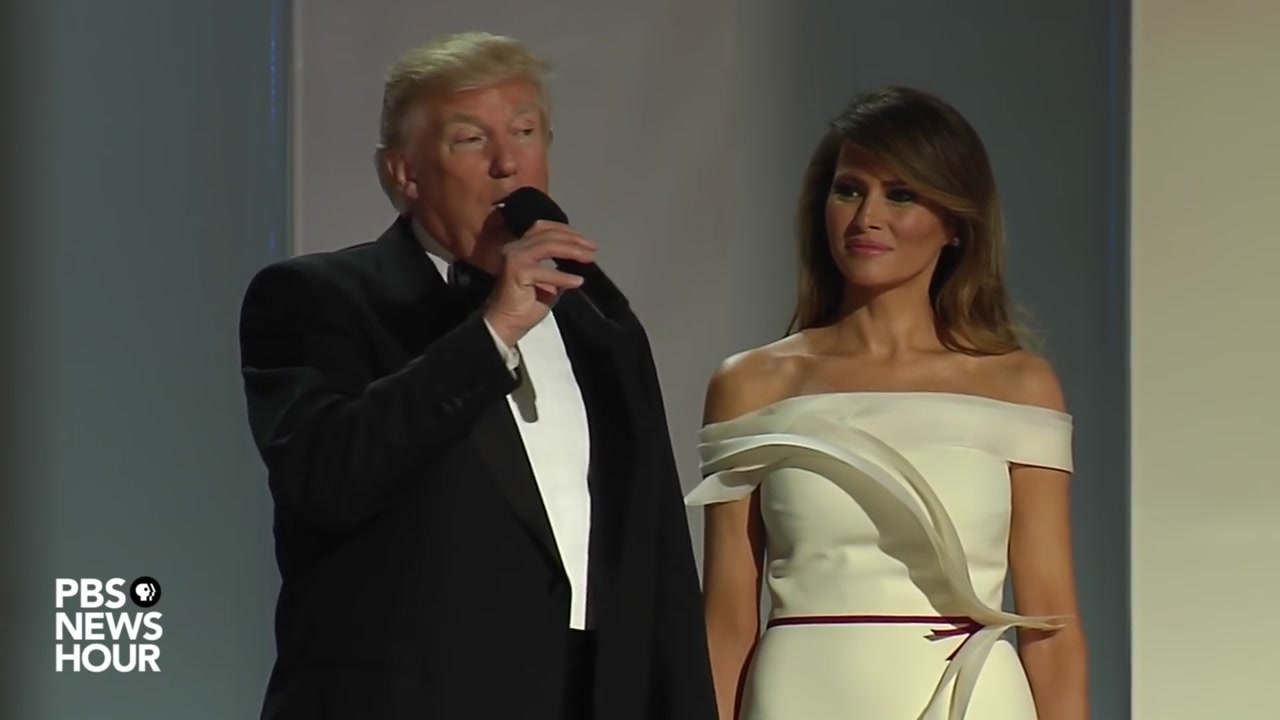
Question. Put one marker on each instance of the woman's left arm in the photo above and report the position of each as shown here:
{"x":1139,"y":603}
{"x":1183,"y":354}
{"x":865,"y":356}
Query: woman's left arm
{"x":1043,"y":572}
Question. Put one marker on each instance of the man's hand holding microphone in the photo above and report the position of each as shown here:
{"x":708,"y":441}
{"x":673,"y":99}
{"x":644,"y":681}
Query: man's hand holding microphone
{"x":527,"y":283}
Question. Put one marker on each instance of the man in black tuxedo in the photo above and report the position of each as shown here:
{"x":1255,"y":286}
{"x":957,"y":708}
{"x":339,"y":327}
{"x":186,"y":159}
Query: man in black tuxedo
{"x":477,"y":511}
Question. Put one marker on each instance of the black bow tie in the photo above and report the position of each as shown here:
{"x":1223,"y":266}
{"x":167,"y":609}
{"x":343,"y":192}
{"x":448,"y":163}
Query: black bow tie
{"x":469,"y":284}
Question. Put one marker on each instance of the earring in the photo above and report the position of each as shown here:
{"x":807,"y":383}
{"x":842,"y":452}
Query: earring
{"x":955,"y":241}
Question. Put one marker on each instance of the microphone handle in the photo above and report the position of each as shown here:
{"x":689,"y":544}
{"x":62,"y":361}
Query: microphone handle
{"x":571,"y":266}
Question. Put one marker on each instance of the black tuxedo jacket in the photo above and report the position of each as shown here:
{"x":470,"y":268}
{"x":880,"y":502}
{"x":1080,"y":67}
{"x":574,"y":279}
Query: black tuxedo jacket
{"x":420,"y":577}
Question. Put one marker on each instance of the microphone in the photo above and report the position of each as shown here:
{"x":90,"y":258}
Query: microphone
{"x":526,"y":206}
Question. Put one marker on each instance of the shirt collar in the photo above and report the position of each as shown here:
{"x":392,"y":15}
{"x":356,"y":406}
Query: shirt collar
{"x":440,"y":256}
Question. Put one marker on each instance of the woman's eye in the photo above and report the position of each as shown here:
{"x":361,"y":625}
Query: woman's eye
{"x":844,"y":190}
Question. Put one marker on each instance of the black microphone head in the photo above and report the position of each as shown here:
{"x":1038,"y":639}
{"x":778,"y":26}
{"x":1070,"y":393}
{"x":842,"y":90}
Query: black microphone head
{"x":526,"y":206}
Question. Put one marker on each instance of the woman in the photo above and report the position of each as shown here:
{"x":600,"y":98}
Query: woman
{"x":896,"y":454}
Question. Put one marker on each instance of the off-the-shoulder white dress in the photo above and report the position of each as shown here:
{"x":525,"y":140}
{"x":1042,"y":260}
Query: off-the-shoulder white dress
{"x":887,"y":521}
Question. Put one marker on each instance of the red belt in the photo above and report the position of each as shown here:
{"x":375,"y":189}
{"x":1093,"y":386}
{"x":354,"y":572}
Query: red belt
{"x":960,"y":625}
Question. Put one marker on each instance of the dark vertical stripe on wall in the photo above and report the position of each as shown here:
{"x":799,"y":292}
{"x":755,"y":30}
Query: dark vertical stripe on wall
{"x":14,"y":321}
{"x":1115,"y":697}
{"x":281,"y":52}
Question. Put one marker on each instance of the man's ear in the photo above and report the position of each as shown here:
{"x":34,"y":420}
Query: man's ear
{"x":402,"y":174}
{"x":395,"y":176}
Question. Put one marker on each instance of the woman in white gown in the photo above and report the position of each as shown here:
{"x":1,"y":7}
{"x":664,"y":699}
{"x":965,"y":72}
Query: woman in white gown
{"x":897,"y":455}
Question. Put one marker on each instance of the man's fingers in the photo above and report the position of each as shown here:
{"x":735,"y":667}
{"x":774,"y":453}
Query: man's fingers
{"x":549,"y":279}
{"x":550,"y":250}
{"x":555,"y":235}
{"x":544,"y":225}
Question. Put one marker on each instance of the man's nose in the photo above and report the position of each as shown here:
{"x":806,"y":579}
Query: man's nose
{"x":503,"y":163}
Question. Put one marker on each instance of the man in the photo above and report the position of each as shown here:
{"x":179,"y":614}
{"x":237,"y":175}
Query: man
{"x":477,"y":509}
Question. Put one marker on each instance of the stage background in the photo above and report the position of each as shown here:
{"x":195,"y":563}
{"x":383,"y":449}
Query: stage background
{"x":682,"y":130}
{"x":155,"y":179}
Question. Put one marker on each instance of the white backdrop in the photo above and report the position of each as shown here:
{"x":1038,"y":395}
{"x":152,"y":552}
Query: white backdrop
{"x":1206,"y":582}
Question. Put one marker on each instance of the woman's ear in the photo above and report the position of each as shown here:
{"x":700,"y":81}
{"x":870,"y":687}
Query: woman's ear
{"x":956,"y":230}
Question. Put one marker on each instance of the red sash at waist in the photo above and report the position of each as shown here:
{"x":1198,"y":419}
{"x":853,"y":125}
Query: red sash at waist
{"x":959,"y":625}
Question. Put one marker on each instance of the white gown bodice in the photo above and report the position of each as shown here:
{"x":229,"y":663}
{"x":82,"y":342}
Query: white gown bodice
{"x":887,"y":503}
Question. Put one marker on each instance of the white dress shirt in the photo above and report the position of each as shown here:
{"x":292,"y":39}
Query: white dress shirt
{"x":552,"y":419}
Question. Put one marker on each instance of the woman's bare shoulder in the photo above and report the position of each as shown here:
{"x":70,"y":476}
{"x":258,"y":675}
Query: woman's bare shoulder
{"x":1027,"y":378}
{"x":751,"y":379}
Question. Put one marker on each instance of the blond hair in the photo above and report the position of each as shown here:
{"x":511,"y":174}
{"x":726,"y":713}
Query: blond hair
{"x":930,"y":146}
{"x":454,"y":63}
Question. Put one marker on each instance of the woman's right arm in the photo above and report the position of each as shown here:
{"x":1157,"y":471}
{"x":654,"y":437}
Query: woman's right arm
{"x":733,"y":552}
{"x":732,"y":559}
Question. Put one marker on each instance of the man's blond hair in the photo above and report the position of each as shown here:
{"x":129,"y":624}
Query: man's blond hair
{"x":463,"y":61}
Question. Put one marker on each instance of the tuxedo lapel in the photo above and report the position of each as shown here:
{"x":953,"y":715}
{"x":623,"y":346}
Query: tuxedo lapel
{"x":500,"y":447}
{"x":599,"y":351}
{"x":420,"y":306}
{"x":415,"y":301}
{"x":602,"y":350}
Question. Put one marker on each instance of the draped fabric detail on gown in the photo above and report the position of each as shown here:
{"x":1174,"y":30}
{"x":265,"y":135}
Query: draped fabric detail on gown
{"x":848,"y":438}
